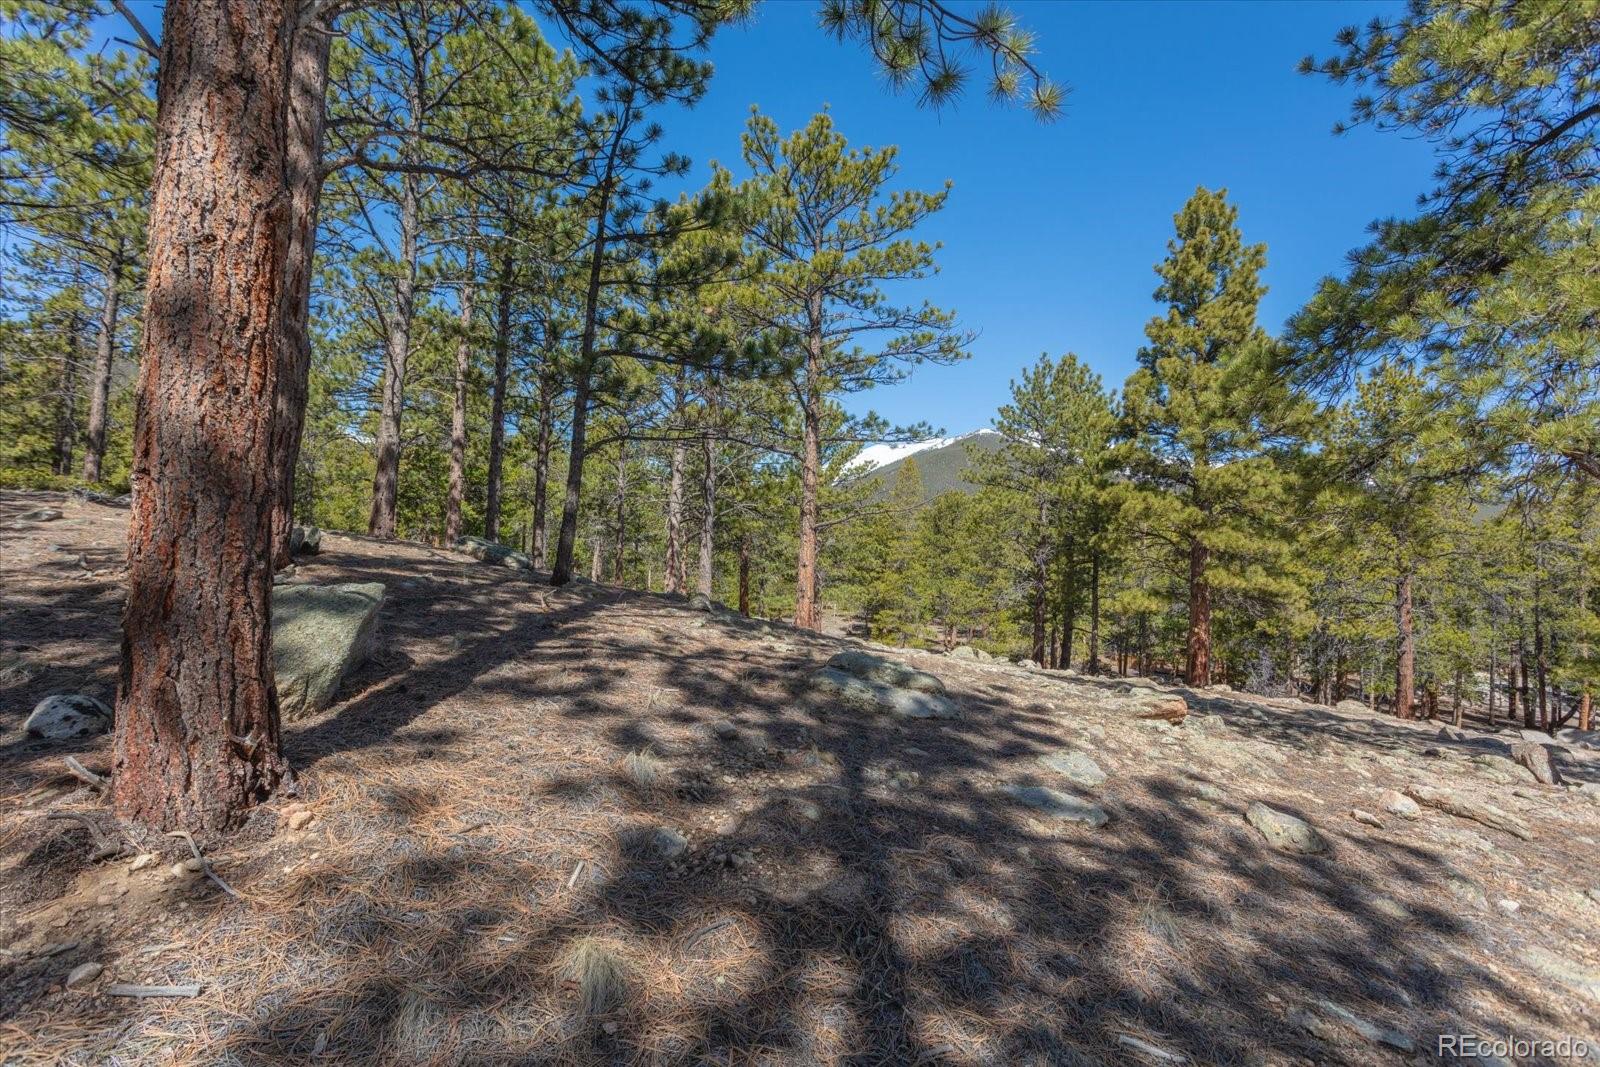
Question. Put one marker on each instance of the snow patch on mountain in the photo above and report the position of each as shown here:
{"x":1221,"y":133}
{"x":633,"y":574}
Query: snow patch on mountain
{"x":874,"y":456}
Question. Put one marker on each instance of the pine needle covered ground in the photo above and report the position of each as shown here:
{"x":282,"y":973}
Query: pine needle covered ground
{"x":527,"y":834}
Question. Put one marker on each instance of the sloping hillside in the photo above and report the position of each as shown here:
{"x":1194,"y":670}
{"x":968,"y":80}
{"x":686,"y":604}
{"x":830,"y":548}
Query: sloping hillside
{"x":590,"y":826}
{"x":942,"y":463}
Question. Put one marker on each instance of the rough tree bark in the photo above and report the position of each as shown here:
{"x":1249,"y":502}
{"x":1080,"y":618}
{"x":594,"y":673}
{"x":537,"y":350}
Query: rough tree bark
{"x":307,"y":112}
{"x":1197,"y":671}
{"x":104,"y":356}
{"x":744,"y":575}
{"x":497,"y":403}
{"x":807,"y":613}
{"x":541,"y":466}
{"x":67,"y":401}
{"x":674,"y":561}
{"x":1094,"y":612}
{"x":197,"y":740}
{"x":1405,"y":665}
{"x":457,"y":490}
{"x":708,"y":515}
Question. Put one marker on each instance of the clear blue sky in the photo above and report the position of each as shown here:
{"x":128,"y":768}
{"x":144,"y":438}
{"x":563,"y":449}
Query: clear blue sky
{"x":1051,"y":231}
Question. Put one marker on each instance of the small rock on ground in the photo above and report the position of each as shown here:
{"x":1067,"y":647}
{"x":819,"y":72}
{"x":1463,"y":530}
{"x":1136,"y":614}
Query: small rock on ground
{"x":1283,"y":831}
{"x":1058,"y":804}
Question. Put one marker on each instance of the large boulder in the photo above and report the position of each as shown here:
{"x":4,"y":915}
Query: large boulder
{"x":65,"y":716}
{"x":1351,"y":707}
{"x":1079,"y":768}
{"x":1141,"y":702}
{"x":873,"y":668}
{"x":493,"y":552}
{"x":865,"y":695}
{"x":1465,"y":807}
{"x":1536,"y":758}
{"x":319,"y":632}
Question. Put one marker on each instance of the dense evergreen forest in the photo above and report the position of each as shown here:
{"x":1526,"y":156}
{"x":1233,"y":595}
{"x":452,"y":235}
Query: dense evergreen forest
{"x":427,"y":271}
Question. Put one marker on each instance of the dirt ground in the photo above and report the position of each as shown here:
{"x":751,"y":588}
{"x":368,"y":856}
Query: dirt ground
{"x":486,"y":871}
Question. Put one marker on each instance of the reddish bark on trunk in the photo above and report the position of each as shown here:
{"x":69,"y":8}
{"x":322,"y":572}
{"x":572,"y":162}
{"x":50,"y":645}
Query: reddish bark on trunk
{"x":1198,"y":669}
{"x":197,"y":740}
{"x":1405,"y":667}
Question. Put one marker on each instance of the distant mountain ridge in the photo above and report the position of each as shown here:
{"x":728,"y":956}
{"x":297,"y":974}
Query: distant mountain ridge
{"x":942,"y":462}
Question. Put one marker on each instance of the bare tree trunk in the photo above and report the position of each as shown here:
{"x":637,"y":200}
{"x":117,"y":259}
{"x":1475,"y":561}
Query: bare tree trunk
{"x":674,"y":563}
{"x":497,"y":403}
{"x":1198,"y":669}
{"x":457,"y":490}
{"x":621,"y":555}
{"x":744,"y":575}
{"x":1094,"y":611}
{"x":397,"y":354}
{"x":1405,"y":668}
{"x":807,"y":613}
{"x":307,"y":113}
{"x":1511,"y":687}
{"x":541,"y":466}
{"x":561,"y":573}
{"x":197,"y":741}
{"x":708,"y":515}
{"x":1540,"y":660}
{"x":104,"y":355}
{"x":594,"y":561}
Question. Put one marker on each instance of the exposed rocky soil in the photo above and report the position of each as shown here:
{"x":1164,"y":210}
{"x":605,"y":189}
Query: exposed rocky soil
{"x":589,"y":826}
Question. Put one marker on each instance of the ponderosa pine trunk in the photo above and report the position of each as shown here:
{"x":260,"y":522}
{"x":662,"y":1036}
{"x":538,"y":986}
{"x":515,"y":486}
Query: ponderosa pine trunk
{"x":1405,"y":666}
{"x":456,"y":492}
{"x":541,"y":467}
{"x":397,"y":356}
{"x":674,"y":561}
{"x":744,"y":575}
{"x":807,"y":613}
{"x":1197,"y":671}
{"x":708,"y":515}
{"x":1094,"y":612}
{"x":197,"y":740}
{"x":100,"y":376}
{"x":1540,"y":658}
{"x":567,"y":539}
{"x":497,"y":403}
{"x":307,"y":113}
{"x":620,"y":555}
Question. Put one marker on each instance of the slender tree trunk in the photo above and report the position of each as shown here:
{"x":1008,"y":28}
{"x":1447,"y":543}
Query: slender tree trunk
{"x":807,"y":613}
{"x":674,"y":562}
{"x":1094,"y":612}
{"x":1455,"y":699}
{"x":561,"y":573}
{"x":541,"y":466}
{"x":594,"y":561}
{"x":100,"y":378}
{"x":307,"y":112}
{"x":457,"y":490}
{"x":1540,"y":660}
{"x":497,"y":403}
{"x":397,"y":354}
{"x":1198,"y":669}
{"x":1528,"y":710}
{"x":708,"y":515}
{"x":1405,"y":668}
{"x":744,"y":576}
{"x":1511,"y":687}
{"x":1586,"y":698}
{"x":621,"y":555}
{"x":197,"y":740}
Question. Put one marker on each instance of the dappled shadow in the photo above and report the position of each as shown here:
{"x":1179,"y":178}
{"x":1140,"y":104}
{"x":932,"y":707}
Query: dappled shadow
{"x":849,"y":889}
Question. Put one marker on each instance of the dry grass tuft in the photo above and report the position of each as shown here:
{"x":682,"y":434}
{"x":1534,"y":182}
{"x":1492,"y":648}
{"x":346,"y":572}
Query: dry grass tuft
{"x":599,"y":973}
{"x":643,"y":770}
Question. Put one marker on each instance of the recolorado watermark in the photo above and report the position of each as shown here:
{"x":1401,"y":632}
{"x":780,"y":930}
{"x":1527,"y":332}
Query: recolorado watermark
{"x":1512,"y":1047}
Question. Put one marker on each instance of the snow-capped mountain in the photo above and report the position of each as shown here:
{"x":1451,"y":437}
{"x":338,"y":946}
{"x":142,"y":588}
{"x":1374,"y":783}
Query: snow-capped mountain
{"x":941,"y":461}
{"x":875,"y":456}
